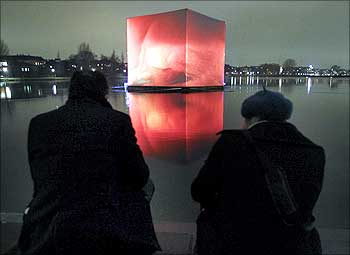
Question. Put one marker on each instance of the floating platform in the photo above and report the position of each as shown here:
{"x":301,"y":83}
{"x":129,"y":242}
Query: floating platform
{"x":168,"y":89}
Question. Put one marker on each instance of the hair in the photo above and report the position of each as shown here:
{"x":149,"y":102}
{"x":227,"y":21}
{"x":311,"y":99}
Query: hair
{"x":91,"y":84}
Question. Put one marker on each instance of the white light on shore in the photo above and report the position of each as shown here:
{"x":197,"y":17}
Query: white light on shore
{"x":54,"y":89}
{"x":8,"y":93}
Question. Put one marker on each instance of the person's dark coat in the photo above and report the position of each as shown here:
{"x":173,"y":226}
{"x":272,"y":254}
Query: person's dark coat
{"x":239,"y":213}
{"x":88,"y":174}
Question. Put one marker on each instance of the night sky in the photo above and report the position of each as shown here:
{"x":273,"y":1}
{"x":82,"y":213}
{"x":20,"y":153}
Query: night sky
{"x":257,"y":32}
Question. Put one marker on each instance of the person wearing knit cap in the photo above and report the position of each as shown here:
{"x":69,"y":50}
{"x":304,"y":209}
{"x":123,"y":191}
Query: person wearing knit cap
{"x":240,"y":213}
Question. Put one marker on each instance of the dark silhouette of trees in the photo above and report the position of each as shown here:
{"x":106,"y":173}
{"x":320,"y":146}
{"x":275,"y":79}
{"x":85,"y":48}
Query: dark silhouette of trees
{"x":103,"y":57}
{"x":335,"y":68}
{"x":85,"y":58}
{"x":116,"y":62}
{"x":122,"y":58}
{"x":270,"y":69}
{"x":115,"y":59}
{"x":288,"y":63}
{"x":4,"y":49}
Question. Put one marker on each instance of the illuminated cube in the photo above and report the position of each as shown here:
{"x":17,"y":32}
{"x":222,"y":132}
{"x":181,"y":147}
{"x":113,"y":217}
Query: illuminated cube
{"x":175,"y":126}
{"x":180,"y":48}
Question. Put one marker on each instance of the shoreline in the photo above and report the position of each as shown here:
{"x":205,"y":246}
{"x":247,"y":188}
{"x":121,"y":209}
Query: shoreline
{"x":33,"y":78}
{"x":228,"y":76}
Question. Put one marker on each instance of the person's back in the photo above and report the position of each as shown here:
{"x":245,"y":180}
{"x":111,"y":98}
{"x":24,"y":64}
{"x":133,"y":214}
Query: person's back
{"x":242,"y":211}
{"x":88,"y":174}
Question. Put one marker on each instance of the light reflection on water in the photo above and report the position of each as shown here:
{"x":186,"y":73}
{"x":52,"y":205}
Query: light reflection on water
{"x":176,"y":132}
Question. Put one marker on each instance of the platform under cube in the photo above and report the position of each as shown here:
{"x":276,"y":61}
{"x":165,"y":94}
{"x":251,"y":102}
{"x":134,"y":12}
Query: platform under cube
{"x":180,"y":48}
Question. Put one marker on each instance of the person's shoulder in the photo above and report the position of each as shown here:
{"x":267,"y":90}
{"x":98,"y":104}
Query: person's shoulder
{"x":44,"y":117}
{"x":302,"y":138}
{"x":231,"y":133}
{"x":119,"y":114}
{"x":119,"y":118}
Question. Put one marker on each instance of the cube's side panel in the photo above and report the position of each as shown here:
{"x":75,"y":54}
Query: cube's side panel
{"x":205,"y":50}
{"x":156,"y":49}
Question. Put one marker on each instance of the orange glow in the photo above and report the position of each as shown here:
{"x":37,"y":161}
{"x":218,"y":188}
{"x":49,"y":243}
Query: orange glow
{"x":179,"y":48}
{"x":176,"y":126}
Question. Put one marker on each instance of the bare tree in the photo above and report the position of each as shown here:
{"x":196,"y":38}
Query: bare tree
{"x":103,"y":57}
{"x":122,"y":58}
{"x":4,"y":50}
{"x":289,"y":63}
{"x":85,"y":57}
{"x":84,"y":47}
{"x":335,"y":68}
{"x":114,"y":58}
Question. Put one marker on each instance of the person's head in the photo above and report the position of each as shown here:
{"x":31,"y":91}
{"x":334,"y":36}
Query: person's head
{"x":91,"y":84}
{"x":265,"y":105}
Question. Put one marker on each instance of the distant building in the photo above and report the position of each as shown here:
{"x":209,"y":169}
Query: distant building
{"x":21,"y":66}
{"x":56,"y":67}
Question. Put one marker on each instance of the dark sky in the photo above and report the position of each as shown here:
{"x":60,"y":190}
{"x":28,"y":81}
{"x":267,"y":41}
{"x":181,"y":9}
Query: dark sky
{"x":314,"y":32}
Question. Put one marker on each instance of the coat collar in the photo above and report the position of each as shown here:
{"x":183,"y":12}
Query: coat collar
{"x":256,"y":123}
{"x":87,"y":100}
{"x":278,"y":131}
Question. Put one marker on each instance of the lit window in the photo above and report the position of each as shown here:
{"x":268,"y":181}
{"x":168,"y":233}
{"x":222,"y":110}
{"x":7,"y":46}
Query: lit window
{"x":5,"y":69}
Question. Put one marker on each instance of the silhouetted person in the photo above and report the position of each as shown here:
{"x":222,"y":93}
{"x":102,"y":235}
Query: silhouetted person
{"x":241,"y":213}
{"x":88,"y":174}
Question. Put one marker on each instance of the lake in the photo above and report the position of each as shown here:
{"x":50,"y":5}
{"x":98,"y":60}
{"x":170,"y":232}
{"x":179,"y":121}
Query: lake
{"x":176,"y":132}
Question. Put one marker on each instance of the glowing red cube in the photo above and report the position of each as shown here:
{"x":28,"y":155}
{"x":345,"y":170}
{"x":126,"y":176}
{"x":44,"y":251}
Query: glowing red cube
{"x":180,"y":48}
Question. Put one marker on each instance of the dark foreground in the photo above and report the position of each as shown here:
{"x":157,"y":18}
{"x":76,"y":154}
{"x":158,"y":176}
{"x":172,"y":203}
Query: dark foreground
{"x":179,"y":238}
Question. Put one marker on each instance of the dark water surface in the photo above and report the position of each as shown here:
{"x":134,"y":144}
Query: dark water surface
{"x":176,"y":132}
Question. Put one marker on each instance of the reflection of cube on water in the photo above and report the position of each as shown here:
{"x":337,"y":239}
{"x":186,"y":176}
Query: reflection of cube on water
{"x":180,"y":48}
{"x":180,"y":127}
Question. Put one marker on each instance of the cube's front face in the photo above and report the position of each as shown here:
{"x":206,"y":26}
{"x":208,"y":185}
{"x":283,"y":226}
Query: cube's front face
{"x":157,"y":50}
{"x":179,"y":49}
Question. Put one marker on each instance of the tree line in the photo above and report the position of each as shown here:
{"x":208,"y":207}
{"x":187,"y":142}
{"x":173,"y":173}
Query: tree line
{"x":85,"y":57}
